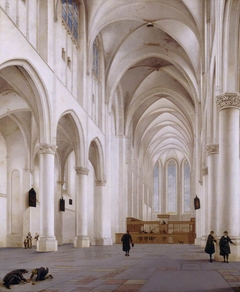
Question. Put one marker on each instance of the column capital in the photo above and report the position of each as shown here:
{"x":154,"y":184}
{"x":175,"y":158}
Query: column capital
{"x":100,"y":182}
{"x":61,"y":182}
{"x":212,"y":149}
{"x":45,"y":148}
{"x":82,"y":170}
{"x":228,"y":100}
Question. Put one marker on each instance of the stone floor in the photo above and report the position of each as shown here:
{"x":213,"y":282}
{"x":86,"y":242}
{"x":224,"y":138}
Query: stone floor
{"x":149,"y":268}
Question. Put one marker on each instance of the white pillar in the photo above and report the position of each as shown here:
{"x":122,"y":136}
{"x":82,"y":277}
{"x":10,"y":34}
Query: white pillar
{"x":122,"y":192}
{"x":47,"y":240}
{"x":60,"y":218}
{"x":81,"y":239}
{"x":228,"y":215}
{"x":212,"y":158}
{"x":204,"y":205}
{"x":103,"y":218}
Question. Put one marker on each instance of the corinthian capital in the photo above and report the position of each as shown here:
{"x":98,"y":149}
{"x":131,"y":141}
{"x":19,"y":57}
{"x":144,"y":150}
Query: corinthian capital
{"x":81,"y":170}
{"x":228,"y":100}
{"x":45,"y":148}
{"x":212,"y":149}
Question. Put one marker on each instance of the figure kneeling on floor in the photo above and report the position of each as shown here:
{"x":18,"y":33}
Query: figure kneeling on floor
{"x":40,"y":274}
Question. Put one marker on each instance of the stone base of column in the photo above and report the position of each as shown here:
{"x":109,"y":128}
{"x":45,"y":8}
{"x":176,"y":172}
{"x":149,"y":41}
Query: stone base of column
{"x":14,"y":240}
{"x":81,"y":241}
{"x":103,"y":241}
{"x":47,"y":244}
{"x":197,"y":241}
{"x":60,"y":239}
{"x":203,"y":241}
{"x":235,"y":251}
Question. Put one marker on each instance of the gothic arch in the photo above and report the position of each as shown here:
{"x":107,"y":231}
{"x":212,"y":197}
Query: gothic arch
{"x":24,"y":80}
{"x":96,"y":157}
{"x":71,"y":128}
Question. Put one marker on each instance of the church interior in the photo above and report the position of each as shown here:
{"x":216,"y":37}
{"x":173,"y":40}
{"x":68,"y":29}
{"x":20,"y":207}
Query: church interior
{"x":119,"y":114}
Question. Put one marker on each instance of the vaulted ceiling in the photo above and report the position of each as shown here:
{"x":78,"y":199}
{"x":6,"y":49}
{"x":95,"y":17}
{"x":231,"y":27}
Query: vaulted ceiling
{"x":152,"y":52}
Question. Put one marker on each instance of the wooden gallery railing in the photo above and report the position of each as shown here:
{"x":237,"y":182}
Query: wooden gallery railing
{"x":160,"y":231}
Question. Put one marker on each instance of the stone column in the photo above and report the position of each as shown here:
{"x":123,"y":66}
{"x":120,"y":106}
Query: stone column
{"x":122,"y":192}
{"x":212,"y":158}
{"x":47,"y":240}
{"x":205,"y":201}
{"x":202,"y":213}
{"x":59,"y":231}
{"x":228,"y":215}
{"x":81,"y":239}
{"x":103,"y":220}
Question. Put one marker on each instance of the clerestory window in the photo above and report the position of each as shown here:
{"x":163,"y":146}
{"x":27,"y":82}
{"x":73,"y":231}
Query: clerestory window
{"x":70,"y":15}
{"x":95,"y":64}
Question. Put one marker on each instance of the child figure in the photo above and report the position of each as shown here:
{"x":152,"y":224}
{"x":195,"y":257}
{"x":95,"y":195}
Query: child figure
{"x":25,"y":242}
{"x":29,"y":240}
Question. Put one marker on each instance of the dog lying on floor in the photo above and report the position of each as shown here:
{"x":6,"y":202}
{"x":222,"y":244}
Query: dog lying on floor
{"x":15,"y":277}
{"x":41,"y":274}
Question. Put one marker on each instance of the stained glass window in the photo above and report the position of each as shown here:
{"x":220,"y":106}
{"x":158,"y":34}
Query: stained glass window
{"x":171,"y":187}
{"x":70,"y":14}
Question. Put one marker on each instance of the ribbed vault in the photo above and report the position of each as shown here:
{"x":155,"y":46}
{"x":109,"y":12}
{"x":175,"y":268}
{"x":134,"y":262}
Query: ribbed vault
{"x":151,"y":52}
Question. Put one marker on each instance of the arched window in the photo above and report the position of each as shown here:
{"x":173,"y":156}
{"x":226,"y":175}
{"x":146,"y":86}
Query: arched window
{"x":70,"y":14}
{"x":95,"y":64}
{"x":96,"y":105}
{"x":156,"y":188}
{"x":172,"y":187}
{"x":186,"y":187}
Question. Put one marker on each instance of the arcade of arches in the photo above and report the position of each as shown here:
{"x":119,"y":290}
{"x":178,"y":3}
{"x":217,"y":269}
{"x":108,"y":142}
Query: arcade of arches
{"x":122,"y":109}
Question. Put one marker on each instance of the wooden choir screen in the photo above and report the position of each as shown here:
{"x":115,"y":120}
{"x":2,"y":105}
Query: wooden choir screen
{"x":162,"y":231}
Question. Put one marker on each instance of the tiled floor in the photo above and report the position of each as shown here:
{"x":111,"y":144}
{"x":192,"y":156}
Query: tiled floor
{"x":149,"y":268}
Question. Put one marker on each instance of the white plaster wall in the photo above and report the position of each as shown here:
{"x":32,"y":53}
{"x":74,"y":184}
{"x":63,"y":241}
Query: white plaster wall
{"x":3,"y":166}
{"x":31,"y":221}
{"x":91,"y":205}
{"x":68,"y":226}
{"x":3,"y":220}
{"x":16,"y":162}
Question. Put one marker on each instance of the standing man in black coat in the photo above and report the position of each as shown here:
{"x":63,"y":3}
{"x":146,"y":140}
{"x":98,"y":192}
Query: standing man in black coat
{"x":224,"y":246}
{"x":210,"y":248}
{"x":126,"y":243}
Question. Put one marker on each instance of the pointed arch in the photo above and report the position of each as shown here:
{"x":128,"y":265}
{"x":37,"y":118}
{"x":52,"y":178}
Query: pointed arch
{"x":25,"y":80}
{"x":75,"y":133}
{"x":96,"y":157}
